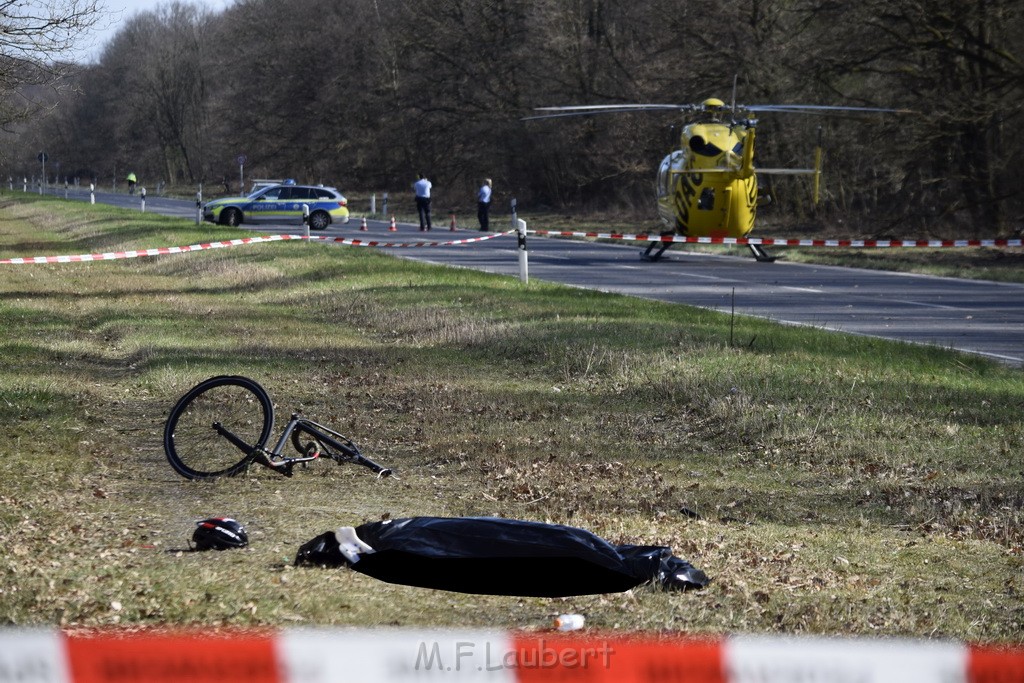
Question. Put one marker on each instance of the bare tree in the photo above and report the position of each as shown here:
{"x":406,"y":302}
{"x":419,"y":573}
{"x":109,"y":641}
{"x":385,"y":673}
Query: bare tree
{"x":364,"y":94}
{"x":151,"y":88}
{"x":37,"y":38}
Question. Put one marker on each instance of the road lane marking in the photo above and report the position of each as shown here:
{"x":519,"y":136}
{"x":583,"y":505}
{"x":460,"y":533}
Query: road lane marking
{"x":927,"y":305}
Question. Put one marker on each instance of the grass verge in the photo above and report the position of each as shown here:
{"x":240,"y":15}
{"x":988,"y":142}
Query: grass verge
{"x":841,"y":485}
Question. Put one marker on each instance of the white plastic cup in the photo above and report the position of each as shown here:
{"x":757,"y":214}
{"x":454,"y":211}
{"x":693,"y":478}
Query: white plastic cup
{"x":569,"y":622}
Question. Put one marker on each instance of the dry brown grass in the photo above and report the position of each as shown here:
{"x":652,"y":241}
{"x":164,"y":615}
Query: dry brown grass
{"x":840,"y":485}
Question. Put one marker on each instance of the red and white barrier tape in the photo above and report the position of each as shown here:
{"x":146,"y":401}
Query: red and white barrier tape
{"x":379,"y":655}
{"x":639,"y":237}
{"x":161,"y":251}
{"x":783,"y":242}
{"x":394,"y":245}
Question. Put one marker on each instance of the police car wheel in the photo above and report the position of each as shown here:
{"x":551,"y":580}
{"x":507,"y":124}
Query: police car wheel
{"x":231,"y":217}
{"x":319,"y":220}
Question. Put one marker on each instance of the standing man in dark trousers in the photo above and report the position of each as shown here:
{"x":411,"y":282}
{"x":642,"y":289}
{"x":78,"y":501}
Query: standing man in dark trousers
{"x":483,"y":204}
{"x":422,"y":188}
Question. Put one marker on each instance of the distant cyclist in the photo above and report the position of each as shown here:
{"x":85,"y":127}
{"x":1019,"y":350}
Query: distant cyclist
{"x":131,"y":183}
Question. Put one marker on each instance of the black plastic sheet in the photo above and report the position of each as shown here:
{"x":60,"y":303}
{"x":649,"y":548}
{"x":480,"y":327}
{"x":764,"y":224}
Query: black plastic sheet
{"x":496,"y":556}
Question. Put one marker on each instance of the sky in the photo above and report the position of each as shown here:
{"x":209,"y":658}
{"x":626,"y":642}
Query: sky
{"x":117,"y":11}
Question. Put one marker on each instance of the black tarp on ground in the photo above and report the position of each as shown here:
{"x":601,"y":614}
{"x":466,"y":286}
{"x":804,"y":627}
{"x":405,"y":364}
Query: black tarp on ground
{"x":496,"y":556}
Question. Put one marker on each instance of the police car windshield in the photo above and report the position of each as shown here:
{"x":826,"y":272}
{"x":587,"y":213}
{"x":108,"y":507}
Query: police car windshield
{"x":270,"y":193}
{"x":258,"y":190}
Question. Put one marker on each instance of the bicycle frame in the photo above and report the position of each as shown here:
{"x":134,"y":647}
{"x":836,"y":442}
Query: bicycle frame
{"x":325,"y":437}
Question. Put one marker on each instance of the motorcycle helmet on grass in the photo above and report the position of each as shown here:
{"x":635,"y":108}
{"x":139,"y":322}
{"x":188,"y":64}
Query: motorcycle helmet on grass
{"x":219,"y":533}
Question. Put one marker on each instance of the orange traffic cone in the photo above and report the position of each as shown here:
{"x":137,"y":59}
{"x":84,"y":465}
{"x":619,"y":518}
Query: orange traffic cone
{"x":363,"y":227}
{"x":453,"y":223}
{"x":393,"y":227}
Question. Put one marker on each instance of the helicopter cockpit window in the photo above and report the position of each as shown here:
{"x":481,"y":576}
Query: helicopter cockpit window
{"x":664,"y":176}
{"x":701,"y":146}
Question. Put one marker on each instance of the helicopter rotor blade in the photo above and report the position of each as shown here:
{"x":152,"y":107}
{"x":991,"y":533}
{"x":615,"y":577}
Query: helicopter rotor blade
{"x":820,"y":109}
{"x":589,"y":109}
{"x":759,"y":171}
{"x":785,"y":171}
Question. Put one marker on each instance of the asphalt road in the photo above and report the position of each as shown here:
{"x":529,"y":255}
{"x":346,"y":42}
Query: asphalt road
{"x":980,"y":317}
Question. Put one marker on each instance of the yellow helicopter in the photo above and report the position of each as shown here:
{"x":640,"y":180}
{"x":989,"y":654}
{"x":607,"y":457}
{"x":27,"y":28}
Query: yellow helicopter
{"x":708,"y":187}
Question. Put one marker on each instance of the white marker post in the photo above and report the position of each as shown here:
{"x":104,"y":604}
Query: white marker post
{"x":524,"y":259}
{"x":305,"y":221}
{"x":92,"y":193}
{"x":520,"y":227}
{"x":142,"y":195}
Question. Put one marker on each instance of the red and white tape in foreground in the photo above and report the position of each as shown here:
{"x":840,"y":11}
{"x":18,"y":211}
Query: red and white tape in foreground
{"x":371,"y":656}
{"x":115,"y":255}
{"x":162,"y":251}
{"x":639,"y":237}
{"x":783,"y":242}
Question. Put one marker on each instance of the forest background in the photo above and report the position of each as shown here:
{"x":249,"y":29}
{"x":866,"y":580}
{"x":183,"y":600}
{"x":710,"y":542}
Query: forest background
{"x":365,"y":94}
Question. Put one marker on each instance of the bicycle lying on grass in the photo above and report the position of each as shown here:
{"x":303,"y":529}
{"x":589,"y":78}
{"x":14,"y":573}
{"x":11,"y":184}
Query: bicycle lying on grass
{"x":221,"y":426}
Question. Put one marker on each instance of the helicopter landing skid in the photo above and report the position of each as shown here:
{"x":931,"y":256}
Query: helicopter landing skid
{"x":761,"y":255}
{"x":646,"y":255}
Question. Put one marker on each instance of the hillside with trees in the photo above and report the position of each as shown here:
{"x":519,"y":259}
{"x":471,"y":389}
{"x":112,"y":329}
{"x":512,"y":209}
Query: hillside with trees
{"x":364,"y":94}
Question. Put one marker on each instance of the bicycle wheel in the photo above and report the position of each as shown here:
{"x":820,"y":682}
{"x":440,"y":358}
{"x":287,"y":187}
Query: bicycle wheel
{"x":215,"y":428}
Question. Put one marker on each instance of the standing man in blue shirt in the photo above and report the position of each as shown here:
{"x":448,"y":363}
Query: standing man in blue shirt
{"x":422,"y":188}
{"x":483,"y":204}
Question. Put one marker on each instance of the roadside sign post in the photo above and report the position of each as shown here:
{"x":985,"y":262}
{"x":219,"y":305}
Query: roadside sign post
{"x":241,"y":173}
{"x":42,"y":181}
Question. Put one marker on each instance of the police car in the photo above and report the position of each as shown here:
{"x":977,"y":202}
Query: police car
{"x":281,"y":203}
